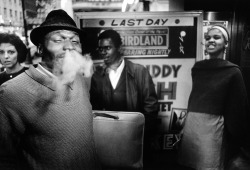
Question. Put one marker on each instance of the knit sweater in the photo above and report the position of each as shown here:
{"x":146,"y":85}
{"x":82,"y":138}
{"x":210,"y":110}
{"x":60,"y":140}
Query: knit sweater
{"x":41,"y":129}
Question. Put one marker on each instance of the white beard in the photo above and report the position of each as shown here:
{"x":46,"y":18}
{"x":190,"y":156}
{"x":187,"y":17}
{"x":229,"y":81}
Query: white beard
{"x":73,"y":63}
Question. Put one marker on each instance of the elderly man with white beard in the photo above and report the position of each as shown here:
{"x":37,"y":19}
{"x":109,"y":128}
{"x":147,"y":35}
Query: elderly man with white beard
{"x":46,"y":119}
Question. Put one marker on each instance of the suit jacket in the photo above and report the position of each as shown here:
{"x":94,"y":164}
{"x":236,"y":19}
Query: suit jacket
{"x":140,"y":92}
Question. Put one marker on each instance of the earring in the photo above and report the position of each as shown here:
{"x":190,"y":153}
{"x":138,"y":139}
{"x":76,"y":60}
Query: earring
{"x":205,"y":52}
{"x":40,"y":50}
{"x":225,"y":50}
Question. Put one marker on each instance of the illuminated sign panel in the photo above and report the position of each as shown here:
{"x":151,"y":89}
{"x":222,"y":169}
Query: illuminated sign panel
{"x":138,"y":22}
{"x":167,"y":44}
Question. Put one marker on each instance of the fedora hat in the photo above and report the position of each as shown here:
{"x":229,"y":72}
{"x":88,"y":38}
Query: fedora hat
{"x":55,"y":20}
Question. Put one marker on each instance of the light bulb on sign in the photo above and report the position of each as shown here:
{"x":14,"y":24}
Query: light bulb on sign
{"x":130,"y":2}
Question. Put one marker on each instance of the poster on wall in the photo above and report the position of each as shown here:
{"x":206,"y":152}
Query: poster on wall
{"x":167,"y":44}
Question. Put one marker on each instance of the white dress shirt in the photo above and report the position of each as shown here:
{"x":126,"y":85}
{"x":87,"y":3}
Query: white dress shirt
{"x":114,"y":75}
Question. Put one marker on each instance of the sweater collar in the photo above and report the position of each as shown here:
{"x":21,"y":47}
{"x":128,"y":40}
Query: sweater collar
{"x":42,"y":78}
{"x":213,"y":64}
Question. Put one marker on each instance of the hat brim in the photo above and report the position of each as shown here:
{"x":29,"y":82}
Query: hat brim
{"x":37,"y":34}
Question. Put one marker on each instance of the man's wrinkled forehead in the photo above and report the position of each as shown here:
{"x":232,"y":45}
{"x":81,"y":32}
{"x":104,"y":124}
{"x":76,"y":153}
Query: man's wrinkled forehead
{"x":62,"y":32}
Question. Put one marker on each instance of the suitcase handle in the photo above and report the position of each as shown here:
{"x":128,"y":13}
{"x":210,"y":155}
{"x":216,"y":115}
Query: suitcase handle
{"x":105,"y":115}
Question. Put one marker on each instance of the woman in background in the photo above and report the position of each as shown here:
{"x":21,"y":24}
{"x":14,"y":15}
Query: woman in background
{"x":216,"y":127}
{"x":12,"y":53}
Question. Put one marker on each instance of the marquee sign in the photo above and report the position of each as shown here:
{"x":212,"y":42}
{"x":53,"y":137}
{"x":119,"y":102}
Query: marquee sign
{"x":166,"y":43}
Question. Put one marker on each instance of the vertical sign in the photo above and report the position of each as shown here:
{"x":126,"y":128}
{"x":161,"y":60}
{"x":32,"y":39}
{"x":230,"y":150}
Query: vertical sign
{"x":166,"y":43}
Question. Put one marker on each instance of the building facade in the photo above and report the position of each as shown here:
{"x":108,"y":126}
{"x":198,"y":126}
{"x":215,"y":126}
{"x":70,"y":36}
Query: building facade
{"x":11,"y":16}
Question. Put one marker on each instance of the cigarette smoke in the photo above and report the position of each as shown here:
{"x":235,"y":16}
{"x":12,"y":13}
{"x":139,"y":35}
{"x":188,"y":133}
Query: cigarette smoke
{"x":73,"y":63}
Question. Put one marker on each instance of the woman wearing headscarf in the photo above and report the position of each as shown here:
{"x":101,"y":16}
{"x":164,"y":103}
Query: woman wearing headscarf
{"x":216,"y":127}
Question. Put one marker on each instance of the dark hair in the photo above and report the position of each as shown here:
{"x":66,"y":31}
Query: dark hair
{"x":17,"y":43}
{"x":115,"y":37}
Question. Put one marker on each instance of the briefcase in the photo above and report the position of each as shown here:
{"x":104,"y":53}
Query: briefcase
{"x":119,"y":139}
